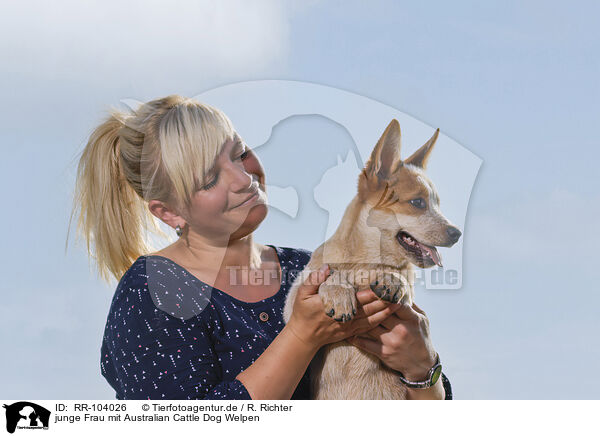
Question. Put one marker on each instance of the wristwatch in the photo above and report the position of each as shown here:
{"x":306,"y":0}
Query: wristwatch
{"x":432,"y":376}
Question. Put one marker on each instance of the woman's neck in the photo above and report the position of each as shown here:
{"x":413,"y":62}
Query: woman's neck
{"x":215,"y":257}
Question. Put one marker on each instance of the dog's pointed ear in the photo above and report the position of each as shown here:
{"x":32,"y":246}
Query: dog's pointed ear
{"x":385,"y":157}
{"x":420,"y":157}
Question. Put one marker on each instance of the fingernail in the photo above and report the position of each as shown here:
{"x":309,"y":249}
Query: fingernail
{"x":324,"y":267}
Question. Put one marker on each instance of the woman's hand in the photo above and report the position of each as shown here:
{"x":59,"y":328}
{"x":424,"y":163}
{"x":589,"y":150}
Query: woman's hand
{"x":312,"y":326}
{"x":401,"y":341}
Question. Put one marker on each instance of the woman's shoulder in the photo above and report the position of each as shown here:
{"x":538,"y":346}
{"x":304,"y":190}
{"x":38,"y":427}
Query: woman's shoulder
{"x":134,"y":276}
{"x":153,"y":282}
{"x":297,"y":257}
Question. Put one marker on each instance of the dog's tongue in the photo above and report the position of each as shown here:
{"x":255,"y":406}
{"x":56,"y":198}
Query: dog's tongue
{"x":433,"y":253}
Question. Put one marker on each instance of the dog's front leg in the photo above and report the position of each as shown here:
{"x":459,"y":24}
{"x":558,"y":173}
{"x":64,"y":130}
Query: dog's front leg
{"x":338,"y":297}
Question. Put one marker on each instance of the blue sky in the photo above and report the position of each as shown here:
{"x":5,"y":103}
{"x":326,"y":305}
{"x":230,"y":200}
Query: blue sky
{"x":516,"y":83}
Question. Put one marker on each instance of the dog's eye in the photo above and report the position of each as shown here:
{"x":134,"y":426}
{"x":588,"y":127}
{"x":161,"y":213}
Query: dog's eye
{"x":419,"y":203}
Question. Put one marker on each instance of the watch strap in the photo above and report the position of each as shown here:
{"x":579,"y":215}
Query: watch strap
{"x":433,"y":375}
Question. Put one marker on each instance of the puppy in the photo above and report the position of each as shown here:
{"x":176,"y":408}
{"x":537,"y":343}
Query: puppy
{"x":393,"y":223}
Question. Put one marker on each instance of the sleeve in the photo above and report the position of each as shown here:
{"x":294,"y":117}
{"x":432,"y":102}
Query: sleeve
{"x":447,"y":387}
{"x":158,"y":356}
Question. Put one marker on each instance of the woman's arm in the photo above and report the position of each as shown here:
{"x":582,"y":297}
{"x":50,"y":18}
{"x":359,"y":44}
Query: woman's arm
{"x":277,"y":372}
{"x":148,"y":354}
{"x":402,"y":343}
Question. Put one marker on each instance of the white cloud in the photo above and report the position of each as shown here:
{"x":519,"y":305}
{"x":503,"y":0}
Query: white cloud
{"x":132,"y":40}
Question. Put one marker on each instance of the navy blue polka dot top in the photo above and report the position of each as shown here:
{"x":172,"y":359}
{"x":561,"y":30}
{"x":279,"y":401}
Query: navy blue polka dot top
{"x":169,"y":335}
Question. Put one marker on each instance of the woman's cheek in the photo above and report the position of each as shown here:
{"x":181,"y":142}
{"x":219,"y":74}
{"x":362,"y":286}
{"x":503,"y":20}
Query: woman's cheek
{"x":210,"y":205}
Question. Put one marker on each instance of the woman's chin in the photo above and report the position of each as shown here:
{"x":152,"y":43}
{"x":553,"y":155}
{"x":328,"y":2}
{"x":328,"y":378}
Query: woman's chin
{"x":256,"y":215}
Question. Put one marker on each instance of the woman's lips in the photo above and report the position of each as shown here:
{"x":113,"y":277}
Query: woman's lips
{"x":248,"y":200}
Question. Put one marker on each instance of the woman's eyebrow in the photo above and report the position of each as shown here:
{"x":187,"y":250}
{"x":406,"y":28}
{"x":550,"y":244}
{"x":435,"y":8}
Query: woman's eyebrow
{"x":238,"y":144}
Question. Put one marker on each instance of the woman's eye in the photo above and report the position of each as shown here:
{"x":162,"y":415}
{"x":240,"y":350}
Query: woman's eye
{"x":210,"y":185}
{"x":419,"y":203}
{"x":244,"y":155}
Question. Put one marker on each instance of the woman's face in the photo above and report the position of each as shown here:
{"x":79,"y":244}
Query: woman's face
{"x":234,"y":202}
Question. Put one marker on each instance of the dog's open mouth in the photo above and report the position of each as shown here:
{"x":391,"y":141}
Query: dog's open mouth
{"x":426,"y":254}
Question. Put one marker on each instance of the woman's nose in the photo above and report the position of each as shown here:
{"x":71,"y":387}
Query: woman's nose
{"x":239,"y":178}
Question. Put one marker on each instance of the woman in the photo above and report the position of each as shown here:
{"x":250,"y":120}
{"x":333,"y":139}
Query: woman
{"x":202,"y":318}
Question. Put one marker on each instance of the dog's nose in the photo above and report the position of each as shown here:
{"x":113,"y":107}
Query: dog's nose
{"x":454,"y":234}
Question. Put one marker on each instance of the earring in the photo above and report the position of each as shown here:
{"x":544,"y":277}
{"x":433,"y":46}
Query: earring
{"x":178,"y":230}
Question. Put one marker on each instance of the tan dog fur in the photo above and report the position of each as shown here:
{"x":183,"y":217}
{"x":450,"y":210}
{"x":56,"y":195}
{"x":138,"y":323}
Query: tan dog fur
{"x":365,"y":251}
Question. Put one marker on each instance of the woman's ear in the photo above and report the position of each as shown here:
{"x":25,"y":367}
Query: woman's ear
{"x":165,"y":213}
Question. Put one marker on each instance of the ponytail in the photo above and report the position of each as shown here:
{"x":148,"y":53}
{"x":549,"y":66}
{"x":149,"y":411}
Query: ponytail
{"x":112,"y":216}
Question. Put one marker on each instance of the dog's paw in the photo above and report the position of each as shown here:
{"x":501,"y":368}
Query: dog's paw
{"x":391,"y":286}
{"x":338,"y":298}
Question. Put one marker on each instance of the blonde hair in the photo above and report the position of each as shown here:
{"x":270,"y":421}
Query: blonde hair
{"x":163,"y":151}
